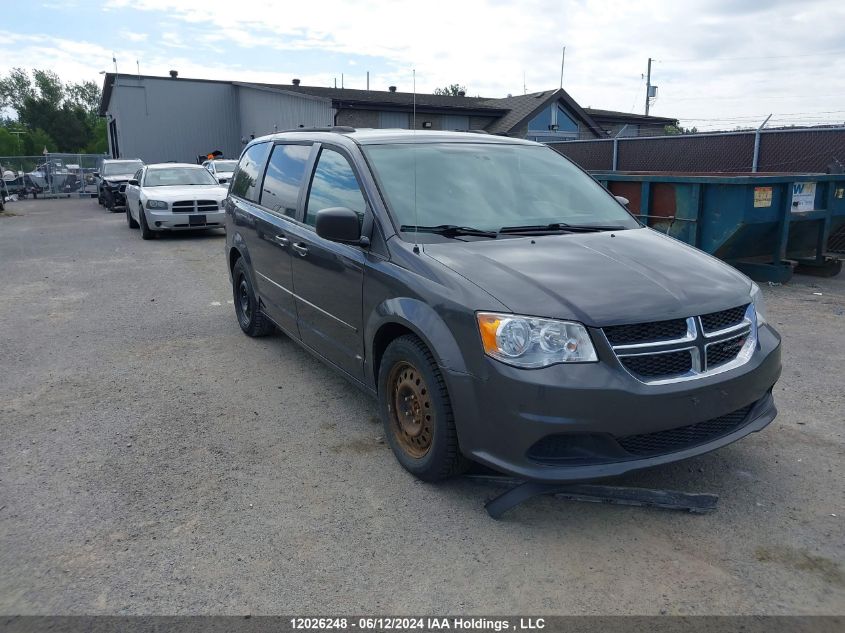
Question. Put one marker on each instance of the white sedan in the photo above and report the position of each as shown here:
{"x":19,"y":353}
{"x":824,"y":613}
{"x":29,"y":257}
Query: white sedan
{"x":220,"y":168}
{"x":173,"y":197}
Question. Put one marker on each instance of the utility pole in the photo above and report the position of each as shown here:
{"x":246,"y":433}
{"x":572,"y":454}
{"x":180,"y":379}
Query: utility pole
{"x":562,"y":61}
{"x":648,"y":87}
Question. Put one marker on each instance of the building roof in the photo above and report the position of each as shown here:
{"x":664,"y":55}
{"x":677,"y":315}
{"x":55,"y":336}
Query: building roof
{"x":401,"y":99}
{"x":525,"y":106}
{"x":628,"y":116}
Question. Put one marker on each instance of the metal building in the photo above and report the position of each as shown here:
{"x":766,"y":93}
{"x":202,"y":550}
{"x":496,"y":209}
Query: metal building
{"x":160,"y":119}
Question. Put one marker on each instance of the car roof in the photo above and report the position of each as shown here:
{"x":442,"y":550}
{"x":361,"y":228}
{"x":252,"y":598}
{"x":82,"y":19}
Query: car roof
{"x":389,"y":136}
{"x":166,"y":165}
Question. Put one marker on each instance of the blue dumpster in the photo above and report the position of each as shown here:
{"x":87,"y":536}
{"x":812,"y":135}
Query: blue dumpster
{"x":763,"y":224}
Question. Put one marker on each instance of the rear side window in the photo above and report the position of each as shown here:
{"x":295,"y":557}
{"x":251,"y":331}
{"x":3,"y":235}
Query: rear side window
{"x":283,"y":178}
{"x":334,"y":185}
{"x":248,"y":173}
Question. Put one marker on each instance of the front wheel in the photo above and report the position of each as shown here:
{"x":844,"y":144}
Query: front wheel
{"x":250,"y":317}
{"x":146,"y":233}
{"x":416,"y":411}
{"x":130,"y":220}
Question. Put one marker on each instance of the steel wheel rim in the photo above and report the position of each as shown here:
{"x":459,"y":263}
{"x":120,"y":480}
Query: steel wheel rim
{"x":244,"y":303}
{"x":412,"y":416}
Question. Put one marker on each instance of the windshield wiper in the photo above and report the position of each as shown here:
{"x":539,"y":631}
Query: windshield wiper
{"x":559,"y":227}
{"x":448,"y":230}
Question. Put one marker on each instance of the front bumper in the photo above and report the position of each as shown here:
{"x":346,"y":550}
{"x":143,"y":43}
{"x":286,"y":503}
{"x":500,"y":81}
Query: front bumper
{"x":586,"y":409}
{"x":166,"y":220}
{"x":117,"y":194}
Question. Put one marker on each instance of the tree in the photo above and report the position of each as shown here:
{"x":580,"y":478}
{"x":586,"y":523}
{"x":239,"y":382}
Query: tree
{"x":674,"y":130}
{"x":451,"y":90}
{"x":62,"y":116}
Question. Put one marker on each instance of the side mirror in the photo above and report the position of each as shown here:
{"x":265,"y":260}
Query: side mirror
{"x":132,"y":182}
{"x":622,"y":200}
{"x":338,"y":224}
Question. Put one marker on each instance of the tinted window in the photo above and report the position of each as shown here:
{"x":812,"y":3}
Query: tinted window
{"x":248,"y":173}
{"x":334,"y":185}
{"x":283,"y":178}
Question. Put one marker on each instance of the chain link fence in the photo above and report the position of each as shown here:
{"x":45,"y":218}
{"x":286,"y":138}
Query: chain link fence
{"x":805,"y":150}
{"x":50,"y":175}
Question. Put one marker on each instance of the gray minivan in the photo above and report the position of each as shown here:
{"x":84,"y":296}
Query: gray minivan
{"x":502,"y":306}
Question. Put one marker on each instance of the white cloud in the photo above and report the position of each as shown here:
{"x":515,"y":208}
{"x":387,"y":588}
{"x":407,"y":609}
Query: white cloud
{"x":707,"y":53}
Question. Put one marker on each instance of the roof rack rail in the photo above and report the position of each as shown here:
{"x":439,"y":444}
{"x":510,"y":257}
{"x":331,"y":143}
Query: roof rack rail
{"x":477,"y":131}
{"x":338,"y":129}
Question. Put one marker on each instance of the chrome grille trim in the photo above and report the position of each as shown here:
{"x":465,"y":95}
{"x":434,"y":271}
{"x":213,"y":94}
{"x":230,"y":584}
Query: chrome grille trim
{"x":195,"y":206}
{"x":697,"y":342}
{"x":690,"y":336}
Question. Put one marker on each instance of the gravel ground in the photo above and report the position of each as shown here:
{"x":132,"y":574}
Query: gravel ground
{"x":153,"y":459}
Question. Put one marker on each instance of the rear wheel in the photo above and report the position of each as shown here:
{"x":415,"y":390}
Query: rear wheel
{"x":250,"y":317}
{"x":130,"y":220}
{"x":416,"y":412}
{"x":146,"y":233}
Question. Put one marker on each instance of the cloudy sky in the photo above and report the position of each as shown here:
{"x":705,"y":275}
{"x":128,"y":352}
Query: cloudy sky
{"x":718,"y":64}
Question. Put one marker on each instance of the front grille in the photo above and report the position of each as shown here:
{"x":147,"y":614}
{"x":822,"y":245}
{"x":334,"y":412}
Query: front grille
{"x":659,"y":365}
{"x":684,"y":437}
{"x":195,"y":206}
{"x":724,"y":351}
{"x":642,"y":332}
{"x":716,"y":321}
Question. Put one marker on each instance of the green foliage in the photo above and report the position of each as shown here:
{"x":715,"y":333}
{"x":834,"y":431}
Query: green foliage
{"x":451,"y":90}
{"x":61,"y":116}
{"x":34,"y":143}
{"x":673,"y":130}
{"x":8,"y":143}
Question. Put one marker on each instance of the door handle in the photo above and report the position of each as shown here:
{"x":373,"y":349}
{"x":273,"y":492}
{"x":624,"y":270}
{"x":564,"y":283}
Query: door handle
{"x":301,"y":249}
{"x":281,"y":240}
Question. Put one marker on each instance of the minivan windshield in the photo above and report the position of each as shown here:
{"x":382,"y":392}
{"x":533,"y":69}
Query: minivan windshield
{"x":121,"y":167}
{"x":178,"y":176}
{"x":489,"y":186}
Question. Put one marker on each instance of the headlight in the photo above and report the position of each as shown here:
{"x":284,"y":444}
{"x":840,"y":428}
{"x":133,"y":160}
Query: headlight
{"x":759,"y":303}
{"x":156,"y":204}
{"x":531,"y":342}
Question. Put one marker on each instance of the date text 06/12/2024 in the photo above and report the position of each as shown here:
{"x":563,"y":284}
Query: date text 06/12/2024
{"x":420,"y":624}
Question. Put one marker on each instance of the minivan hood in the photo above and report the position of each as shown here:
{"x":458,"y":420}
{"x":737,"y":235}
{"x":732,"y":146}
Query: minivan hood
{"x":599,"y":279}
{"x":119,"y":177}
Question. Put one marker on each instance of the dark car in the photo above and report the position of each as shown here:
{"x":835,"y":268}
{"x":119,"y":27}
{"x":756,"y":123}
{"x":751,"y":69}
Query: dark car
{"x":112,"y":178}
{"x":501,"y":305}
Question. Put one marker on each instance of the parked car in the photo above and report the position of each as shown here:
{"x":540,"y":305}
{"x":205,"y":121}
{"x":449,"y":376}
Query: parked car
{"x":173,"y":197}
{"x":111,"y":182}
{"x":221,"y":169}
{"x":500,"y":304}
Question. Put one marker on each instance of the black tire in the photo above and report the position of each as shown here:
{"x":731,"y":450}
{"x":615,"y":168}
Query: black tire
{"x":130,"y":220}
{"x":100,"y":200}
{"x":252,"y":320}
{"x":429,"y":450}
{"x":108,"y":200}
{"x":146,"y":233}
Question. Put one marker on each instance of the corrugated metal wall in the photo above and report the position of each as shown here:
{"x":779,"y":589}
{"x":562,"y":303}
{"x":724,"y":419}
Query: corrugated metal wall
{"x":161,"y":120}
{"x":267,"y":111}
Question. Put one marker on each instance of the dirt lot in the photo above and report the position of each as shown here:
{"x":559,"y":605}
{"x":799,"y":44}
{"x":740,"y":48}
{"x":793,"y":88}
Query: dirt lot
{"x":155,"y":460}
